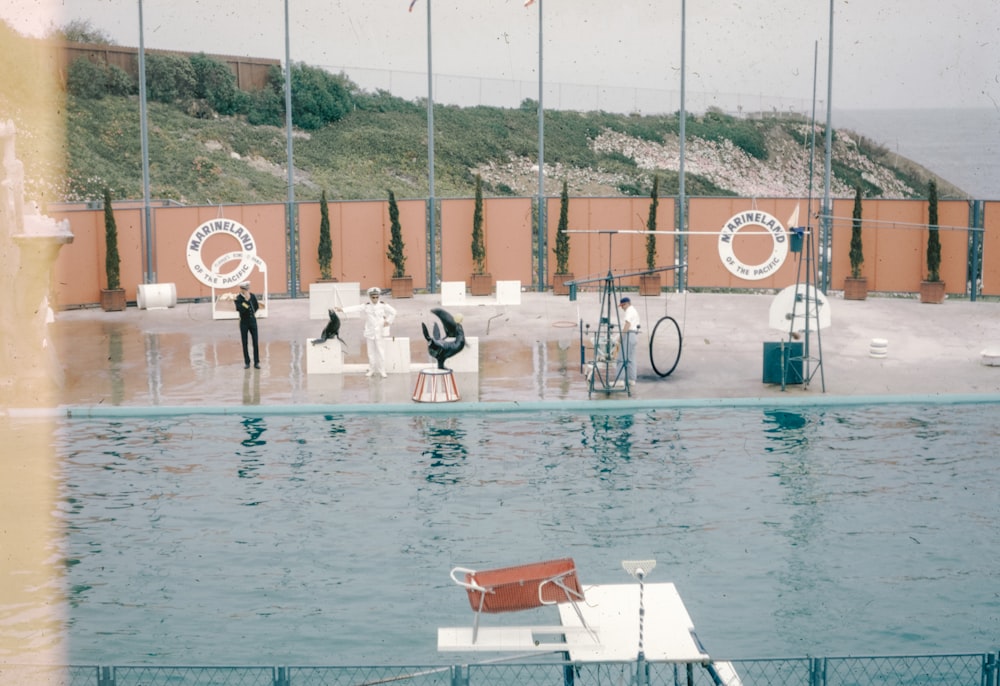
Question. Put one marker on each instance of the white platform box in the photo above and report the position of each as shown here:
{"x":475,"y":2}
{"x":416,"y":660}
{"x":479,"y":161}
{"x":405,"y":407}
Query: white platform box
{"x":508,"y":292}
{"x":465,"y":361}
{"x":328,"y":295}
{"x":324,"y":358}
{"x":397,"y":355}
{"x":452,"y":293}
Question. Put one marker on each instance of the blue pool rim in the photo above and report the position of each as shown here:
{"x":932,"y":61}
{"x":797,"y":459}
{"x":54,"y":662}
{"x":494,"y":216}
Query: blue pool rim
{"x":624,"y":406}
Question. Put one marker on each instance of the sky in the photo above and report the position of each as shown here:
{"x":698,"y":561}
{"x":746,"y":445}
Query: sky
{"x":751,"y":54}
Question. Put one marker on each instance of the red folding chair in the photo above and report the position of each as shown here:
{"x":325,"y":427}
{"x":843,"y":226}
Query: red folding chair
{"x":523,"y":587}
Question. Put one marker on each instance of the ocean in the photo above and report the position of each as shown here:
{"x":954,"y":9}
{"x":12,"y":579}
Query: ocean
{"x":959,"y":145}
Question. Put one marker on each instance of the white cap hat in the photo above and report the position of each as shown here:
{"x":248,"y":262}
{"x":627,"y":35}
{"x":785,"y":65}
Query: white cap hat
{"x":245,"y":285}
{"x":374,"y":290}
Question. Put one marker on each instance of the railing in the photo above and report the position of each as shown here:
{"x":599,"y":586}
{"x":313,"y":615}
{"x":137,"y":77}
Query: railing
{"x":971,"y":669}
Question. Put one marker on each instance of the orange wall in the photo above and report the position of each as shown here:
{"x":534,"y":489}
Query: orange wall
{"x":588,"y":253}
{"x":895,"y":249}
{"x":506,"y":233}
{"x":893,"y":233}
{"x":990,"y":273}
{"x":707,"y":216}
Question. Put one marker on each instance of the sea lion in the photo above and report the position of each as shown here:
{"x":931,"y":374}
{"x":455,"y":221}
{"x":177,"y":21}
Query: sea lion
{"x":449,"y":345}
{"x":331,"y":330}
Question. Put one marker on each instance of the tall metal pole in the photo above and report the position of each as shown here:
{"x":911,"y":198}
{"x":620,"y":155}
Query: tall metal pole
{"x":542,"y":236}
{"x":827,"y":212}
{"x":144,"y":137}
{"x":293,"y":277}
{"x":681,"y":200}
{"x":431,"y":202}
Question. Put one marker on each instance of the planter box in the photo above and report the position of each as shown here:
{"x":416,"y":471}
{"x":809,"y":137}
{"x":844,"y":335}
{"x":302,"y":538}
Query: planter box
{"x":932,"y":292}
{"x":113,"y":300}
{"x":481,"y":284}
{"x":650,"y":284}
{"x":402,"y":287}
{"x":856,"y":289}
{"x":559,"y":286}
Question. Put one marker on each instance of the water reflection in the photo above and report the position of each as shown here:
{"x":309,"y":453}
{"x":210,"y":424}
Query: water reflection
{"x":444,"y":451}
{"x":251,"y":387}
{"x":610,"y":439}
{"x":786,"y":430}
{"x":115,"y":371}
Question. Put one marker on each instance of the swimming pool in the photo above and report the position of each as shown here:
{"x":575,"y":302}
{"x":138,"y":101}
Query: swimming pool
{"x":327,"y":539}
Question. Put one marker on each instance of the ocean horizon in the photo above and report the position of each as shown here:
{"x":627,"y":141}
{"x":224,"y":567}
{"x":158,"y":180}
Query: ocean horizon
{"x":961,"y":146}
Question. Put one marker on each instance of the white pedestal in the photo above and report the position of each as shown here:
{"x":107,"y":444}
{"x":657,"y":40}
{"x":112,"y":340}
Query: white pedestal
{"x":156,"y":296}
{"x":436,"y":386}
{"x":452,"y":293}
{"x":397,"y":355}
{"x":324,"y":358}
{"x":323,"y":297}
{"x":508,"y":292}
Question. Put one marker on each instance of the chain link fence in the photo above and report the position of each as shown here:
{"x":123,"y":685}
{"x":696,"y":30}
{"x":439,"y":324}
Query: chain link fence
{"x":971,"y":669}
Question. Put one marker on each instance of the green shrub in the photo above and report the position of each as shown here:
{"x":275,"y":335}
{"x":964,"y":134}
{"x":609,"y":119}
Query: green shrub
{"x":86,"y":79}
{"x":318,"y":97}
{"x":170,"y":78}
{"x":216,"y":83}
{"x":120,"y":82}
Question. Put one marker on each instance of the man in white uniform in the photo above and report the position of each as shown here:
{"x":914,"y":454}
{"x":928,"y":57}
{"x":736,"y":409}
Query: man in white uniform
{"x":378,"y":317}
{"x":630,"y":340}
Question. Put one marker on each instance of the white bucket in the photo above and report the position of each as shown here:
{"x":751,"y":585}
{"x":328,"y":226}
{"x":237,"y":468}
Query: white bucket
{"x":991,"y":357}
{"x":156,"y":296}
{"x":879,"y":348}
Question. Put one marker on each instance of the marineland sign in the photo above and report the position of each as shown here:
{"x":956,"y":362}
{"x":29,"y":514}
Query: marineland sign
{"x":246,"y":255}
{"x":779,"y":245}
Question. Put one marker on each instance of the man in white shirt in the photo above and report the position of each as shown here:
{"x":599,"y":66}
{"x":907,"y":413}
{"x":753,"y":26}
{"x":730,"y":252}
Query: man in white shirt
{"x":630,"y":340}
{"x":378,"y":317}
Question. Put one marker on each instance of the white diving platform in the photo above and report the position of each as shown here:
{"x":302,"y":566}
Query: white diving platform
{"x":611,"y":612}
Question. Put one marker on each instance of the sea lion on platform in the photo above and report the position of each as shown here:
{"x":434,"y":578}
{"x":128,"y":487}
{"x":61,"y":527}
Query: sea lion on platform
{"x":442,"y":347}
{"x":331,"y":330}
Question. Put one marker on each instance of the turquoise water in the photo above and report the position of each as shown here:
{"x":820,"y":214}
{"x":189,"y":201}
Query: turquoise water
{"x":328,"y":539}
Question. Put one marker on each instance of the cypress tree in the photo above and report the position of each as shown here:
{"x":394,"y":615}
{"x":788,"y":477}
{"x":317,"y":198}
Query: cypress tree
{"x":396,"y":252}
{"x":325,"y":250}
{"x":857,"y":252}
{"x":562,"y":238}
{"x":112,"y":261}
{"x":933,"y":240}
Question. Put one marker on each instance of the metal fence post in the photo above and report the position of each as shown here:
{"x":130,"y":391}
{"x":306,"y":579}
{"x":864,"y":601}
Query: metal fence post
{"x":105,"y":676}
{"x":280,"y":677}
{"x":990,"y":667}
{"x":457,"y":678}
{"x":817,"y":671}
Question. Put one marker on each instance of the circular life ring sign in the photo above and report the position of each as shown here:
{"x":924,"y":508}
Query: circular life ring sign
{"x":247,"y":253}
{"x":779,"y":245}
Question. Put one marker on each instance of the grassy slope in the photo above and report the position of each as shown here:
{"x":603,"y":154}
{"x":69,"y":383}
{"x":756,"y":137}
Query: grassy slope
{"x":367,"y":153}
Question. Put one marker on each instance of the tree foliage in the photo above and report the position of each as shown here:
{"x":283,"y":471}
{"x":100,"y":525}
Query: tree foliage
{"x":933,"y":240}
{"x":112,"y":261}
{"x":857,"y":249}
{"x":654,"y":202}
{"x":562,"y":238}
{"x":397,"y":251}
{"x":478,"y":243}
{"x":324,"y":252}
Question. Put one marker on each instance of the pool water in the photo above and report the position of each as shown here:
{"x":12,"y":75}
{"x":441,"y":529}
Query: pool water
{"x":328,"y":540}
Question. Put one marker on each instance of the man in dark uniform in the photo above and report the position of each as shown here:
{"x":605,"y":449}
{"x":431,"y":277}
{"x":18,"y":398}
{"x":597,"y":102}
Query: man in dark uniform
{"x":246,"y":305}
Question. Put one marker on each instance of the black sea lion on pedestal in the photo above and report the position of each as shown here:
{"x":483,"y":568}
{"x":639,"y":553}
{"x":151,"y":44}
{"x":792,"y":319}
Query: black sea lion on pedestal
{"x":331,"y":330}
{"x":442,"y":347}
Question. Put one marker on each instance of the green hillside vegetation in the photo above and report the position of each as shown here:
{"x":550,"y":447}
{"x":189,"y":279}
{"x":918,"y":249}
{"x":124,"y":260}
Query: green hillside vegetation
{"x":211,"y":143}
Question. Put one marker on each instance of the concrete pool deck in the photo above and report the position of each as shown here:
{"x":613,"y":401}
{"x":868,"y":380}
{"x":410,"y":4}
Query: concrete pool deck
{"x":529,"y":352}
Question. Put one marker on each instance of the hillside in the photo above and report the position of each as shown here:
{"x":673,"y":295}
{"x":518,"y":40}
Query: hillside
{"x":213,"y":159}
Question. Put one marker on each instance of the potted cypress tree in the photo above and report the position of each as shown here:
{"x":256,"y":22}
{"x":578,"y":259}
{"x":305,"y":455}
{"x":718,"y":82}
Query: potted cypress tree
{"x":402,"y":283}
{"x":112,"y":297}
{"x":932,"y":289}
{"x":649,"y":284}
{"x":481,"y":282}
{"x":324,"y":253}
{"x":856,"y":285}
{"x":561,"y":250}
